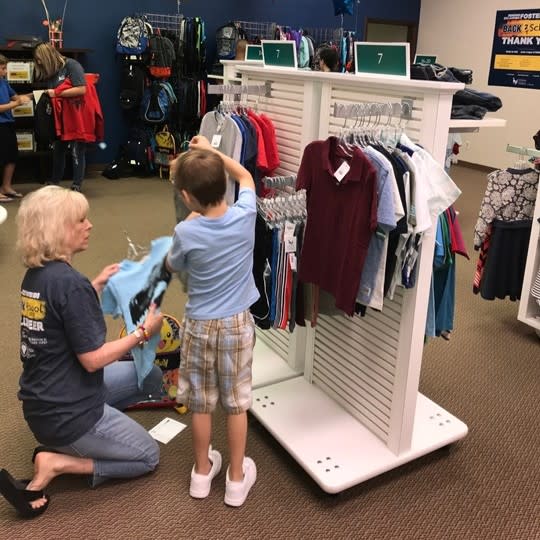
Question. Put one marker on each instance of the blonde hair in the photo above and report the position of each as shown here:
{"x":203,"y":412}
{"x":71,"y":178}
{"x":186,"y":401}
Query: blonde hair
{"x":48,"y":61}
{"x":43,"y":222}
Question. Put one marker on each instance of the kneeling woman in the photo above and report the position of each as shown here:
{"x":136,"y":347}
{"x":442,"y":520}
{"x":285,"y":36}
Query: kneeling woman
{"x":71,"y":386}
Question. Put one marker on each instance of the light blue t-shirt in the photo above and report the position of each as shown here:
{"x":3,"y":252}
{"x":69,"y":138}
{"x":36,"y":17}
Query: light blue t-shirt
{"x":217,"y":254}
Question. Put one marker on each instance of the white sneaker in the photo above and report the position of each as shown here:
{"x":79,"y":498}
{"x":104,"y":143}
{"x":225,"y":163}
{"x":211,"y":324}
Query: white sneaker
{"x":200,"y":485}
{"x":236,"y":492}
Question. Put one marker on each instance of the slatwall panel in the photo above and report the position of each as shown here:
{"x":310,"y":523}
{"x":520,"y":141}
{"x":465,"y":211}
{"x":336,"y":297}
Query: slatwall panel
{"x":354,"y":362}
{"x":355,"y":359}
{"x":342,"y":95}
{"x":285,"y":108}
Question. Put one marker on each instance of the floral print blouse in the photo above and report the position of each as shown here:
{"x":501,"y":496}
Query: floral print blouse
{"x":510,"y":196}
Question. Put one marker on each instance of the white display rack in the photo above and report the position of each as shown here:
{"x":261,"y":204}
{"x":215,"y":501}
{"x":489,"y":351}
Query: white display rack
{"x":356,"y":411}
{"x":529,"y":310}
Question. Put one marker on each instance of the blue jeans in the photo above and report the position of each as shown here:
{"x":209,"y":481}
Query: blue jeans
{"x":119,"y":446}
{"x":78,"y":154}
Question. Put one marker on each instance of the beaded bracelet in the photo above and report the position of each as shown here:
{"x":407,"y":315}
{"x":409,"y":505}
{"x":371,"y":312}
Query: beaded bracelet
{"x":145,"y":333}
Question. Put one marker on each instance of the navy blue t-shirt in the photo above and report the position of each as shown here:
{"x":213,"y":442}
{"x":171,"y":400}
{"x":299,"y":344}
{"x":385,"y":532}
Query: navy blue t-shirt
{"x":60,"y":318}
{"x":72,"y":70}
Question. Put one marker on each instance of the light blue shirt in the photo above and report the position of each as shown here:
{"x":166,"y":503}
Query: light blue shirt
{"x":130,"y":292}
{"x":217,"y":254}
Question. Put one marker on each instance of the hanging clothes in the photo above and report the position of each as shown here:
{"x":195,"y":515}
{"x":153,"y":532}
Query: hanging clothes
{"x":334,"y":249}
{"x":502,"y":231}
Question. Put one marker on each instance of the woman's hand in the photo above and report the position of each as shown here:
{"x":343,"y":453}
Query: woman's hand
{"x":102,"y":278}
{"x":154,"y":320}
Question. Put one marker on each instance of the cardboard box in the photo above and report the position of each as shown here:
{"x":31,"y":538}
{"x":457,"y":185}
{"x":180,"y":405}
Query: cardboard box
{"x":19,"y":72}
{"x":25,"y":141}
{"x":24,"y":110}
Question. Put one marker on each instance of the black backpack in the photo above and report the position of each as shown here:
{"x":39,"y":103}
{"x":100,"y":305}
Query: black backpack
{"x":162,"y":56}
{"x":132,"y":84}
{"x":138,"y":150}
{"x":227,"y":37}
{"x":44,"y":127}
{"x":157,"y":102}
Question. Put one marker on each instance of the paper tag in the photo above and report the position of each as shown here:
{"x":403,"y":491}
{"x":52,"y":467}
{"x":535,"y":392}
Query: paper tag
{"x":216,"y":141}
{"x":166,"y":430}
{"x":289,"y":229}
{"x":344,"y":168}
{"x":290,"y":244}
{"x":292,"y":261}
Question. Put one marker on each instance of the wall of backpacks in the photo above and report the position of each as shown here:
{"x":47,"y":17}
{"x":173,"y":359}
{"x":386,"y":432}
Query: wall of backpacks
{"x":162,"y":92}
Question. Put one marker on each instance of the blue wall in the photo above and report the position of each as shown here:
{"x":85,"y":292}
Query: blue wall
{"x":94,"y":24}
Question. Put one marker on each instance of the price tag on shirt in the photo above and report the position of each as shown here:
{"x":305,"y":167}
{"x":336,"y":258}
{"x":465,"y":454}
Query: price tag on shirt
{"x":343,"y":169}
{"x":216,"y":141}
{"x":292,"y":261}
{"x":290,"y":244}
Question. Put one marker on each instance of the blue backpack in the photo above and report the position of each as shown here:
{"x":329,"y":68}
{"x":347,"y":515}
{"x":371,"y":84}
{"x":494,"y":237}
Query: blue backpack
{"x":133,"y":35}
{"x":158,"y":100}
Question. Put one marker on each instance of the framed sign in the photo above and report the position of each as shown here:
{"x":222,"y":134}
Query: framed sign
{"x":254,"y":53}
{"x":515,"y":57}
{"x":279,"y":54}
{"x":386,"y":60}
{"x":425,"y":59}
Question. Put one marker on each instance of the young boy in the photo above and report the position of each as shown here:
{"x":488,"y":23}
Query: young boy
{"x":8,"y":139}
{"x":214,"y":245}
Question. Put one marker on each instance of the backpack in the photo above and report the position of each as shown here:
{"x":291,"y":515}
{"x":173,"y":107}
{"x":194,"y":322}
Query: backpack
{"x":132,"y":35}
{"x":162,"y":56}
{"x":227,"y":37}
{"x":132,"y":84}
{"x":157,"y":102}
{"x":44,"y":126}
{"x":165,"y":150}
{"x":138,"y":150}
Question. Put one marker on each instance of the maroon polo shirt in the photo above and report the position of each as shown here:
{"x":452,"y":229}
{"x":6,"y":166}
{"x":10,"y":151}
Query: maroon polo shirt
{"x":341,"y":219}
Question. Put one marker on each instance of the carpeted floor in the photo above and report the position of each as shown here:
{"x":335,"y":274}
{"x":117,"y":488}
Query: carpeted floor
{"x":485,"y":487}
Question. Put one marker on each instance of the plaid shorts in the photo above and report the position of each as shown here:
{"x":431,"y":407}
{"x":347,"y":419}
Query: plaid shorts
{"x":216,"y":358}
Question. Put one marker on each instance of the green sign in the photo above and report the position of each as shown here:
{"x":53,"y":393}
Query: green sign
{"x":279,"y":54}
{"x":254,"y":52}
{"x":425,"y":59}
{"x":387,"y":60}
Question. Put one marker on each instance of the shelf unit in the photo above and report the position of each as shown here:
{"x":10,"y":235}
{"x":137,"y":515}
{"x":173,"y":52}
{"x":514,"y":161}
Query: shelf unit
{"x":472,"y":126}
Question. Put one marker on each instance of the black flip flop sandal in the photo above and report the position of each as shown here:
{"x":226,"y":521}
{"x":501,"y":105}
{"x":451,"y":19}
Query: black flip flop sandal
{"x":19,"y":497}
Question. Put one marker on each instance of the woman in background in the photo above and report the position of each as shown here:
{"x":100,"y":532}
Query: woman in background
{"x":53,"y":68}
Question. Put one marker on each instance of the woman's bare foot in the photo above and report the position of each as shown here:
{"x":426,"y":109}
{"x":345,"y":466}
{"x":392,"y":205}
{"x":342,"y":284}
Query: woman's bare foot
{"x":49,"y":465}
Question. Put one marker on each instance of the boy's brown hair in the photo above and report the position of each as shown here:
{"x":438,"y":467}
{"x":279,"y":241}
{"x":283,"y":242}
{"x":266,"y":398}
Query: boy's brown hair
{"x":3,"y":60}
{"x":201,"y":173}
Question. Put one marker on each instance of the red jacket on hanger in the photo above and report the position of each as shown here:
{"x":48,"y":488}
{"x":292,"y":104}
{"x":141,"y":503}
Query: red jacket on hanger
{"x":79,"y":118}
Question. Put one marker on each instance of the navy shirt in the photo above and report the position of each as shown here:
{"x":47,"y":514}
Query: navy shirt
{"x":61,"y":317}
{"x":72,"y":70}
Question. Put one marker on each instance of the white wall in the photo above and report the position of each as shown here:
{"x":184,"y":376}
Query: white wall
{"x":460,"y":32}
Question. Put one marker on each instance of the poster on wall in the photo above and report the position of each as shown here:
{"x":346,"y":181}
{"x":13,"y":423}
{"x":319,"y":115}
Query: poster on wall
{"x":515,"y":58}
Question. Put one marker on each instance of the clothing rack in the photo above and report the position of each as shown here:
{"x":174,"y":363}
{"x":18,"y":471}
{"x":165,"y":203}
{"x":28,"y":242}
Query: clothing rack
{"x":523,"y":151}
{"x":355,"y":411}
{"x":376,"y":109}
{"x":240,"y":89}
{"x":279,"y":181}
{"x":161,"y":21}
